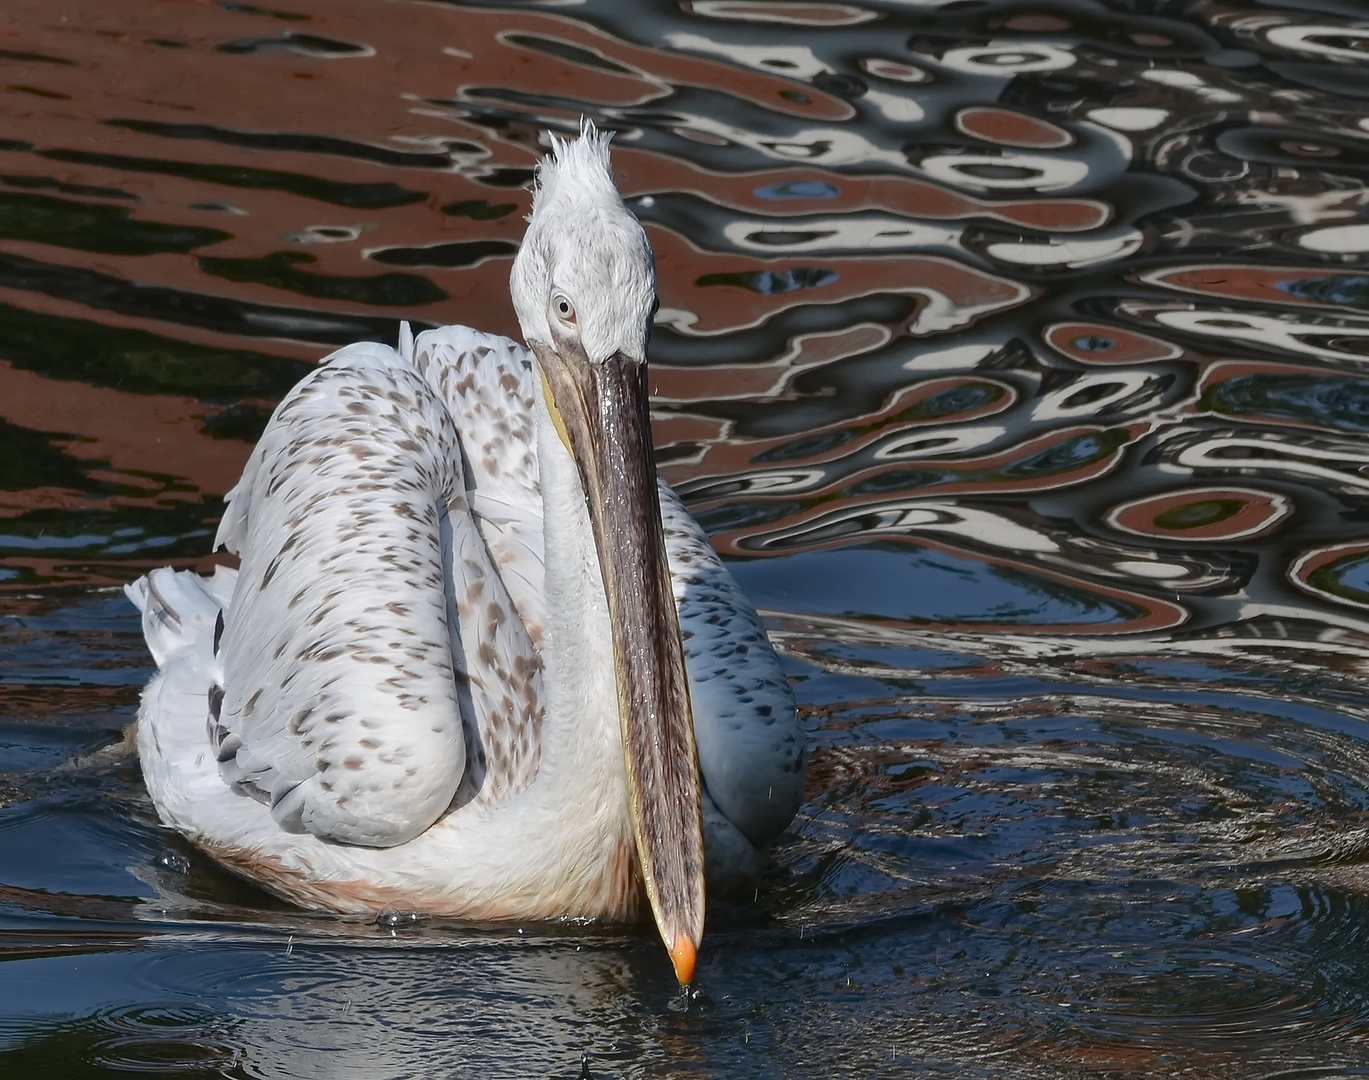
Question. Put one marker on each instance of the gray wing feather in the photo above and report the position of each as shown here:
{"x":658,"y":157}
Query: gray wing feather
{"x":751,"y":747}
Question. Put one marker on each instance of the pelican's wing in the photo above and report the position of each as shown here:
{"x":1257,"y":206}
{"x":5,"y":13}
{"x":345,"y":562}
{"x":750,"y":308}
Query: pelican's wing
{"x":749,"y":739}
{"x":370,"y":638}
{"x":488,"y":385}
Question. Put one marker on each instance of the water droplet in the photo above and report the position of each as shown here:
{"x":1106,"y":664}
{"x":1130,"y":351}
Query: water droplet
{"x":177,"y":864}
{"x":395,"y":920}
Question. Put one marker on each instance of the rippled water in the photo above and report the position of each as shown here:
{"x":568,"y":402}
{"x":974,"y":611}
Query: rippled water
{"x":1014,"y":351}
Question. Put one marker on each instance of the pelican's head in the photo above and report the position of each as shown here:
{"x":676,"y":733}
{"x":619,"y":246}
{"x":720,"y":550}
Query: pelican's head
{"x":584,"y":287}
{"x":584,"y":270}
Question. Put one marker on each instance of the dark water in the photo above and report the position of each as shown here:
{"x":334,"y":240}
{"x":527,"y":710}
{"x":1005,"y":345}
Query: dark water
{"x":1015,"y":351}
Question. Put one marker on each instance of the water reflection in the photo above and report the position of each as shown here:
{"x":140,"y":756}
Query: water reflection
{"x":1014,"y":351}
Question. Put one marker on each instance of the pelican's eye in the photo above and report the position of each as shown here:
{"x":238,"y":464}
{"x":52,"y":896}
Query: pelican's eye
{"x":564,"y":309}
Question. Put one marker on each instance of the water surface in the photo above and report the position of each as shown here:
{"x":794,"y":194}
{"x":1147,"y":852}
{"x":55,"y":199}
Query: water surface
{"x":1013,"y":352}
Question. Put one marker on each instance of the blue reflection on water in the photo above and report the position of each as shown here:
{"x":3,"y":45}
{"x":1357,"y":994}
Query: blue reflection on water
{"x":916,"y":584}
{"x":799,"y":189}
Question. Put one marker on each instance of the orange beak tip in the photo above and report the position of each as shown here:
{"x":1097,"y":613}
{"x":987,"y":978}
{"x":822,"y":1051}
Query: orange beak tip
{"x":683,"y":954}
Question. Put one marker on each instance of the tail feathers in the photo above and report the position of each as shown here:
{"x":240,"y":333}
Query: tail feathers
{"x":180,"y":609}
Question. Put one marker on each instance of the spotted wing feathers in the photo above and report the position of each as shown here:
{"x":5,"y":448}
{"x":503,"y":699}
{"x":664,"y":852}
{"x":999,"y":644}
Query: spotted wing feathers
{"x":488,"y":384}
{"x":751,"y":747}
{"x":370,"y":652}
{"x":339,"y":692}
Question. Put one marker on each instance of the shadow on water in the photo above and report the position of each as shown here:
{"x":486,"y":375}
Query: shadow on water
{"x":1014,"y":353}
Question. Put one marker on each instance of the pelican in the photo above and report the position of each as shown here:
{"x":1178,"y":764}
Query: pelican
{"x":476,"y":659}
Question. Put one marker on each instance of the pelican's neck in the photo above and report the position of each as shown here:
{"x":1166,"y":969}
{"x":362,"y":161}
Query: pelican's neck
{"x":582,"y":750}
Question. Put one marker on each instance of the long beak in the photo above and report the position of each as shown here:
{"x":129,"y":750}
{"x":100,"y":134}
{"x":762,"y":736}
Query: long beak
{"x":601,"y":411}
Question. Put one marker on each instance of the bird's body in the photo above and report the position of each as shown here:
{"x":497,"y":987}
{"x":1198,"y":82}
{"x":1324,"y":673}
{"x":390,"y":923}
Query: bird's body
{"x":429,"y":686}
